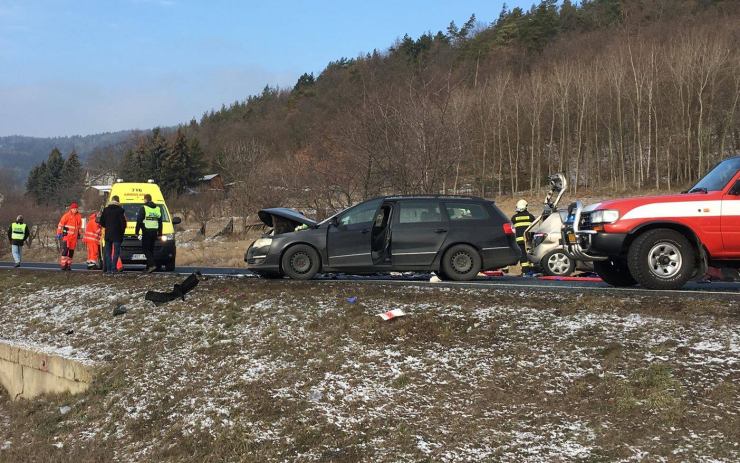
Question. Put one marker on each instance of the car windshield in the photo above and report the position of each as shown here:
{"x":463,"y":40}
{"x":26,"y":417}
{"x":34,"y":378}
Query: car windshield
{"x":131,"y":209}
{"x":718,"y":177}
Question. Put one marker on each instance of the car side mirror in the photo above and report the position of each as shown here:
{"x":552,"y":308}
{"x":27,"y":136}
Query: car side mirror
{"x":176,"y":220}
{"x":334,"y":221}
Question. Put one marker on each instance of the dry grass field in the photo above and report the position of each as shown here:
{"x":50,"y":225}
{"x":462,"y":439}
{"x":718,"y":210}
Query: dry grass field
{"x":254,"y":370}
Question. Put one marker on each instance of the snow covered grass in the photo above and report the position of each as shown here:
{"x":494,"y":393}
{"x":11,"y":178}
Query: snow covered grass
{"x":287,"y":371}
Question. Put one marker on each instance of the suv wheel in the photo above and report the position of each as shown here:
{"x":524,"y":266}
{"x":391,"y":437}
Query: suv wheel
{"x":614,"y":272}
{"x":301,"y":262}
{"x":557,"y":263}
{"x":661,"y":259}
{"x":461,"y":262}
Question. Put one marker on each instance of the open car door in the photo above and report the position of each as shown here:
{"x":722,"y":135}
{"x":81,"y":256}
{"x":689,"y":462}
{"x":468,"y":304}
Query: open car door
{"x":349,"y":236}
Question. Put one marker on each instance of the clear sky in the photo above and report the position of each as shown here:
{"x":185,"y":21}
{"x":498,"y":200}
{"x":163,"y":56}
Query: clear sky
{"x":86,"y":66}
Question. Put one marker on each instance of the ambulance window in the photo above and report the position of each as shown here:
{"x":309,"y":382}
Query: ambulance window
{"x":131,"y":209}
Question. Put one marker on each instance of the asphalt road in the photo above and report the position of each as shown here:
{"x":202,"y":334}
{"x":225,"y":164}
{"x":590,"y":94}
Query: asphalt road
{"x":729,"y":290}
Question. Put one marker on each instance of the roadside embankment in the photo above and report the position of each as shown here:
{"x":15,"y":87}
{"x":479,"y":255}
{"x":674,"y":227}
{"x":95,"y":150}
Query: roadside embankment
{"x":27,"y":372}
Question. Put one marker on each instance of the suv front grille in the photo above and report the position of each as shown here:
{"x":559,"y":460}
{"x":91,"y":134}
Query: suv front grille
{"x":586,"y":221}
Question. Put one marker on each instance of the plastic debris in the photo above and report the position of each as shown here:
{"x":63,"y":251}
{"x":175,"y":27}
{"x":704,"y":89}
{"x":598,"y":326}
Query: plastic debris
{"x":65,"y":409}
{"x":315,"y":395}
{"x":178,"y":292}
{"x":119,"y":310}
{"x":68,"y":332}
{"x":352,"y":299}
{"x":391,"y":314}
{"x":435,"y":279}
{"x":493,"y":273}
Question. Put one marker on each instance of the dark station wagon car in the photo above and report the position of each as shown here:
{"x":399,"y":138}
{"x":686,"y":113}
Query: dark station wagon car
{"x":452,"y":235}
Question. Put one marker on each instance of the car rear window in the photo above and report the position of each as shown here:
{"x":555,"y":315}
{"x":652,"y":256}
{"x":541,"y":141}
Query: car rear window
{"x":419,"y":212}
{"x":466,"y":211}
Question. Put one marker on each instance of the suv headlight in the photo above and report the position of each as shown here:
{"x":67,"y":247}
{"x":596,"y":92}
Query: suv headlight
{"x":262,"y":242}
{"x":168,"y":237}
{"x":604,"y":216}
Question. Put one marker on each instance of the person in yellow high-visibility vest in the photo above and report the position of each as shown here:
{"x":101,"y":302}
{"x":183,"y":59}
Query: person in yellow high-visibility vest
{"x":149,"y":229}
{"x":522,"y":219}
{"x":17,"y":235}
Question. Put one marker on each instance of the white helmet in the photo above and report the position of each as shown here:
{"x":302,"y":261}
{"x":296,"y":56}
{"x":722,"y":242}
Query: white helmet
{"x":521,"y":205}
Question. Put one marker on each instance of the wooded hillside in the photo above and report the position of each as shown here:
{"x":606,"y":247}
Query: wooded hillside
{"x":621,"y":95}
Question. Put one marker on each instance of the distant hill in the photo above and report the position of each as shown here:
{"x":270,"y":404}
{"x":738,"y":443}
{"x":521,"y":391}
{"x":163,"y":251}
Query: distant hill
{"x":21,"y":153}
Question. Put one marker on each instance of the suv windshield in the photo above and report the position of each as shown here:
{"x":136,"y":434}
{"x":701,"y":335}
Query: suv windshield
{"x":718,"y":177}
{"x":131,"y":209}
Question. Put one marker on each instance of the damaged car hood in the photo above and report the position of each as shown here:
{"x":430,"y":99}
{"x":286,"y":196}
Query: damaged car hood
{"x":267,"y":216}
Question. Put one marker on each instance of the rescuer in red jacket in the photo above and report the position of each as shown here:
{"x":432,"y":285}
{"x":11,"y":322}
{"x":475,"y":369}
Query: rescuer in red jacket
{"x":92,"y":240}
{"x":68,"y":231}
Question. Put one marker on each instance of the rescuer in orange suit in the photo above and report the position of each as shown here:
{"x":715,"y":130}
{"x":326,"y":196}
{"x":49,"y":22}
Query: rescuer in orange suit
{"x":68,"y":231}
{"x":92,"y":240}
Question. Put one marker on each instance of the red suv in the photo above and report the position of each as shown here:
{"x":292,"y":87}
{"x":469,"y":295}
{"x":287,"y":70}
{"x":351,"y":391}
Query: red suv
{"x":661,"y":242}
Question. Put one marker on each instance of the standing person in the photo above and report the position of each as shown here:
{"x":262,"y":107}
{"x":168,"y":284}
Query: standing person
{"x":522,"y":219}
{"x":68,"y":232}
{"x":17,"y":235}
{"x":92,"y":239}
{"x":149,"y":222}
{"x":113,"y":219}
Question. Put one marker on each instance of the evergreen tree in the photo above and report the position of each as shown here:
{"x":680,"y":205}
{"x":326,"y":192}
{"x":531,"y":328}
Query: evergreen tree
{"x":33,"y":184}
{"x":305,"y":82}
{"x":50,"y":181}
{"x":195,"y":162}
{"x":174,"y":171}
{"x":569,"y":16}
{"x":131,"y":168}
{"x":157,"y":151}
{"x":71,"y":180}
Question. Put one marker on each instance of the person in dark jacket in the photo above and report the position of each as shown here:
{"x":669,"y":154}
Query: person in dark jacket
{"x":522,"y":220}
{"x":149,"y":228}
{"x":113,"y":220}
{"x":17,"y":235}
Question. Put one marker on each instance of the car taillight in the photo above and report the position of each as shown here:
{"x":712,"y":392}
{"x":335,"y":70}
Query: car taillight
{"x":508,"y":228}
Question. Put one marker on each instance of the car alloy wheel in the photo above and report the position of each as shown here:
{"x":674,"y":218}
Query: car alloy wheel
{"x":559,"y":264}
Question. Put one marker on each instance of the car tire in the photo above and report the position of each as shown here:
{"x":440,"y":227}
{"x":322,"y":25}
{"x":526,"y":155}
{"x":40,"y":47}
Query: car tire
{"x":461,"y":263}
{"x":301,"y":262}
{"x":614,"y":272}
{"x":661,"y":259}
{"x":557,"y":263}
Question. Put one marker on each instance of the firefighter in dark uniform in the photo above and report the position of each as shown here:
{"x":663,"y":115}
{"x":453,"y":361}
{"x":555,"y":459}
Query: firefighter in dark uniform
{"x":522,"y":219}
